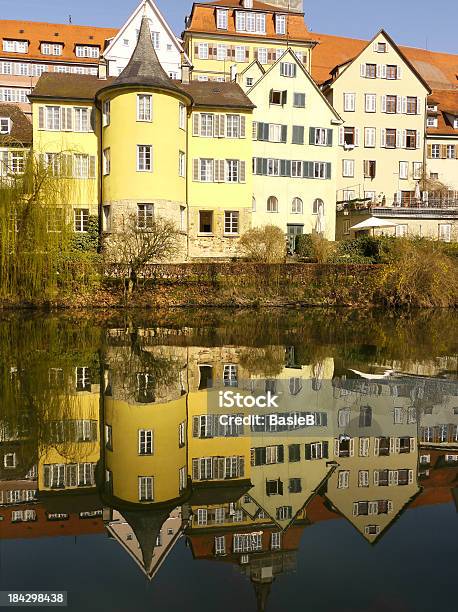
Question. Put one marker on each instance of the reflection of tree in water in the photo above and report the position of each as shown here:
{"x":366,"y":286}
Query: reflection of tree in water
{"x":38,"y":361}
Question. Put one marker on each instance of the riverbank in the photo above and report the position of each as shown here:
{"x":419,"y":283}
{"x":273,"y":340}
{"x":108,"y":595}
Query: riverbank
{"x":224,"y":285}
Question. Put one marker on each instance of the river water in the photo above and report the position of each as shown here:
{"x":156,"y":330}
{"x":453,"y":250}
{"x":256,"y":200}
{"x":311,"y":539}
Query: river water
{"x":128,"y":481}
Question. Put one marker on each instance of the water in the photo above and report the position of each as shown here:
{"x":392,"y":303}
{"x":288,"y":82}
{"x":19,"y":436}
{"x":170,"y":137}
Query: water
{"x":121,"y":484}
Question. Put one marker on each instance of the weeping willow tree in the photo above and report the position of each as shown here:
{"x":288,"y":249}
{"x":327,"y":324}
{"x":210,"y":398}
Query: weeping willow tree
{"x":36,"y":224}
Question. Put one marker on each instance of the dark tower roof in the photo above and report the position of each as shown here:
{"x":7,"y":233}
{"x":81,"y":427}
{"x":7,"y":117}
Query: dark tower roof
{"x":144,"y":68}
{"x":146,"y":526}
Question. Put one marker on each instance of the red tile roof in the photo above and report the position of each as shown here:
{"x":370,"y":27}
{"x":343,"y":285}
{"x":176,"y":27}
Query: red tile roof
{"x":68,"y":34}
{"x":447,"y":102}
{"x":439,"y":70}
{"x":203,"y":20}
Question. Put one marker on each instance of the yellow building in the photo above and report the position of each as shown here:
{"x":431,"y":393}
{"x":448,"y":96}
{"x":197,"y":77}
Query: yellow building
{"x":295,"y":151}
{"x":382,"y":99}
{"x":65,"y":139}
{"x":221,"y":35}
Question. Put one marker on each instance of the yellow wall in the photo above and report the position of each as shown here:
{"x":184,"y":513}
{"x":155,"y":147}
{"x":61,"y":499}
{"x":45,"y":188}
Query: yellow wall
{"x":447,"y":169}
{"x":122,"y":136}
{"x":218,"y":68}
{"x":124,"y":460}
{"x":81,"y":192}
{"x":387,"y":181}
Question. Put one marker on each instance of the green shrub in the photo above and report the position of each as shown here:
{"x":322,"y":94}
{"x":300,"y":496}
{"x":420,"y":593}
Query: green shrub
{"x":87,"y":241}
{"x":304,"y":247}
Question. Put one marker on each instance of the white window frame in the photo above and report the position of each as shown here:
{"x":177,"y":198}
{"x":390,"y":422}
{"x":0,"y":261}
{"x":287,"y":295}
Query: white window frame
{"x":144,"y":108}
{"x":146,"y":488}
{"x":144,"y":158}
{"x":145,"y":442}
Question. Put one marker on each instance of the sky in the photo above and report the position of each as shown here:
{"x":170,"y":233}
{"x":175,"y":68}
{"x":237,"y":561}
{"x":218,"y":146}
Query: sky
{"x":415,"y":23}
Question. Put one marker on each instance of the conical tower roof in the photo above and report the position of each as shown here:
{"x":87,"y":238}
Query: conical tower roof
{"x":146,"y":526}
{"x":144,"y":68}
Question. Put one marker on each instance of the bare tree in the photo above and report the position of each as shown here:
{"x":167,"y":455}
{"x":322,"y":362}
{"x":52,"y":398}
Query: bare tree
{"x":133,"y":247}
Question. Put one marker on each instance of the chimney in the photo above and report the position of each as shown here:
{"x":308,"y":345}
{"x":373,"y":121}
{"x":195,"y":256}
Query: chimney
{"x":102,"y":70}
{"x":186,"y":69}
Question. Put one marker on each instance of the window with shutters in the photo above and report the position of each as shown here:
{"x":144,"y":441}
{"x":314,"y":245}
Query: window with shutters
{"x":317,"y":450}
{"x":321,"y":137}
{"x":233,"y":126}
{"x":391,"y":104}
{"x":299,"y":100}
{"x":205,"y":173}
{"x":370,"y":137}
{"x":296,"y":169}
{"x":451,"y":151}
{"x":435,"y":151}
{"x":81,"y":220}
{"x":203,"y":50}
{"x":370,"y":103}
{"x":298,"y":134}
{"x":390,"y":139}
{"x":349,"y":136}
{"x":371,"y":71}
{"x":240,"y":53}
{"x":273,"y":167}
{"x":272,"y":204}
{"x":146,"y":488}
{"x":145,"y":442}
{"x":221,"y":19}
{"x":284,"y":513}
{"x":231,"y":222}
{"x":145,"y":216}
{"x":349,"y":102}
{"x":288,"y":69}
{"x":412,"y":105}
{"x":297,"y":207}
{"x":363,"y":478}
{"x":231,"y":171}
{"x":343,"y":479}
{"x":144,"y":158}
{"x":411,"y":139}
{"x":370,"y":167}
{"x":144,"y":107}
{"x":274,"y":487}
{"x":320,"y":170}
{"x":52,"y":117}
{"x":276,"y":97}
{"x":262,"y":55}
{"x":205,"y":221}
{"x":348,"y":168}
{"x":206,"y":124}
{"x":392,"y":72}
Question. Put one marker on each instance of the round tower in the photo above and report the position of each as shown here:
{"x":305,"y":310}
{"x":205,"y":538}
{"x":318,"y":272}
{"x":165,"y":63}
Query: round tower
{"x":143,"y":142}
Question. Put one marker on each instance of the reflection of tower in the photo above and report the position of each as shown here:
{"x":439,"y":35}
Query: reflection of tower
{"x":144,"y":474}
{"x":262,"y":591}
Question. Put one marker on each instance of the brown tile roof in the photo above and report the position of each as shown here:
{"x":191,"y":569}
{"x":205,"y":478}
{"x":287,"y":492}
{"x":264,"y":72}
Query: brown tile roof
{"x":259,"y":6}
{"x":37,"y":32}
{"x":203,"y":19}
{"x":211,"y":94}
{"x":439,"y":70}
{"x":69,"y":86}
{"x":21,"y":130}
{"x":447,"y":102}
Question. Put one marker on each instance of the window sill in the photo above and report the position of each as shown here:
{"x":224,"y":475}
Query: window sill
{"x":231,"y":235}
{"x":205,"y":234}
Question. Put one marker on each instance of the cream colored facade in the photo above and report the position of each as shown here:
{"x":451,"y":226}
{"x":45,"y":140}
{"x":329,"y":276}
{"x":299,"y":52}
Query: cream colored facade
{"x":442,"y":159}
{"x":383,"y":103}
{"x":294,"y":150}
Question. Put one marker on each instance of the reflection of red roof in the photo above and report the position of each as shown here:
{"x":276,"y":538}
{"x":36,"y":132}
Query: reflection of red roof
{"x":203,"y":541}
{"x":43,"y":527}
{"x":439,"y":70}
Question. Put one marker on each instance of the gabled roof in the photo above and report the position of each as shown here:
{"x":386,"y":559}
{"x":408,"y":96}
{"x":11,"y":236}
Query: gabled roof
{"x":394,"y":46}
{"x":68,"y":34}
{"x":21,"y":129}
{"x":54,"y":85}
{"x":447,"y":102}
{"x":203,"y":20}
{"x":439,"y":70}
{"x":294,"y":58}
{"x":134,"y":15}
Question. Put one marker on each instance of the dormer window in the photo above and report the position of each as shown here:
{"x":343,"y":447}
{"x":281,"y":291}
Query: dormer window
{"x":280,"y":24}
{"x":432,"y":108}
{"x":254,"y":23}
{"x":247,"y":3}
{"x":52,"y":48}
{"x":221,"y":19}
{"x":5,"y":125}
{"x":87,"y":51}
{"x":455,"y":123}
{"x":431,"y":121}
{"x":15,"y":46}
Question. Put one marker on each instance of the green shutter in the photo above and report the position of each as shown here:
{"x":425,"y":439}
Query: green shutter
{"x":312,"y":136}
{"x":328,"y":170}
{"x":330,"y":134}
{"x":284,"y":133}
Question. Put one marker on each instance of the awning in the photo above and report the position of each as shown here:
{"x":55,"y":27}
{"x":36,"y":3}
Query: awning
{"x":373,"y":222}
